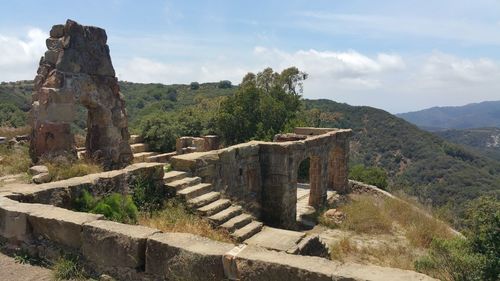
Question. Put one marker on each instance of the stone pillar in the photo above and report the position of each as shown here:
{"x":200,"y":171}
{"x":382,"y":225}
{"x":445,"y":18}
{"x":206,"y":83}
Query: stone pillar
{"x":77,"y":68}
{"x":316,"y":193}
{"x":338,"y":162}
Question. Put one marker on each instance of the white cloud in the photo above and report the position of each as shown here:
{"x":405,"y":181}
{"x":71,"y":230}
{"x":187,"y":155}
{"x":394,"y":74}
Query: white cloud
{"x":349,"y":68}
{"x":20,"y":56}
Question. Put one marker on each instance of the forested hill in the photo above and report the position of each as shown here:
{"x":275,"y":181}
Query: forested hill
{"x":475,"y":115}
{"x":417,"y":161}
{"x":483,"y":140}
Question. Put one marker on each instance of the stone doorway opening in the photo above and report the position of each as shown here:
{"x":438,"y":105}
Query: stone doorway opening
{"x":308,"y":178}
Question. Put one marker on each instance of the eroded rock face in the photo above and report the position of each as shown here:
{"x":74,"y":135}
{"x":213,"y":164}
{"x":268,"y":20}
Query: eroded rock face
{"x":77,"y":69}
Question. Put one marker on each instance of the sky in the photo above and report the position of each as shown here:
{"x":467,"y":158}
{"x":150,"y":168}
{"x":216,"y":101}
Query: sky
{"x":395,"y":55}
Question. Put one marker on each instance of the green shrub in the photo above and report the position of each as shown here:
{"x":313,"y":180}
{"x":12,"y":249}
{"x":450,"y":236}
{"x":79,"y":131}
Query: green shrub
{"x":116,"y":207}
{"x":370,"y":175}
{"x":452,"y":260}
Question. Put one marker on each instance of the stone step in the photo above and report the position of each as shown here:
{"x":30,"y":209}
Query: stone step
{"x":225,"y":215}
{"x":161,"y":158}
{"x":141,"y":156}
{"x":180,"y":184}
{"x":193,"y":191}
{"x":135,"y":139}
{"x":247,"y":231}
{"x":214,"y":207}
{"x":204,"y":199}
{"x":237,"y":222}
{"x":139,"y":147}
{"x":173,"y":176}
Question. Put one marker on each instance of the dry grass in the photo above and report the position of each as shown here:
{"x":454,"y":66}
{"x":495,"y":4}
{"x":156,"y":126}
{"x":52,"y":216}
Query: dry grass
{"x":386,"y":232}
{"x":366,"y":215}
{"x":10,"y":132}
{"x":341,"y":249}
{"x":176,"y":218}
{"x":14,"y":160}
{"x":61,"y":168}
{"x":420,"y":227}
{"x":398,"y":256}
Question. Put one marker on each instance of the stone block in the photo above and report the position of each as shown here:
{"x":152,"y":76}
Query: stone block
{"x":39,"y":169}
{"x":59,"y":225}
{"x":53,"y":44}
{"x":151,"y":170}
{"x":185,"y":256}
{"x":13,"y":220}
{"x":112,"y":244}
{"x":56,"y":194}
{"x":41,"y":178}
{"x":57,"y":31}
{"x":51,"y":57}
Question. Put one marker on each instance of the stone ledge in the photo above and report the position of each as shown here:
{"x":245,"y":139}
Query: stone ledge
{"x":112,"y":244}
{"x":185,"y":256}
{"x":252,"y":263}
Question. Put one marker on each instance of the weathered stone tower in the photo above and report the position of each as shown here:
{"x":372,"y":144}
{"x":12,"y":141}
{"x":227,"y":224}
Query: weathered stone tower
{"x":77,"y":69}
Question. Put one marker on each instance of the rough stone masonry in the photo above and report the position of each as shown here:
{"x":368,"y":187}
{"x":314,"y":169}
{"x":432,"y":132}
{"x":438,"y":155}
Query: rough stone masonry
{"x":77,"y":69}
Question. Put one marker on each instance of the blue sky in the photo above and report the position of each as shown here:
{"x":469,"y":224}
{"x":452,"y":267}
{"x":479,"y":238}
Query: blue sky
{"x":395,"y":55}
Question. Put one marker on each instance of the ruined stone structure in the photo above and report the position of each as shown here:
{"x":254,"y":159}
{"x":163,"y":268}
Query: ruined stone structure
{"x":262,"y":176}
{"x":76,"y":69}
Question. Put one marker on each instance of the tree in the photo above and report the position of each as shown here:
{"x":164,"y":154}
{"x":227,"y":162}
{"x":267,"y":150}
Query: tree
{"x":194,"y":85}
{"x":224,"y":84}
{"x":263,"y":106}
{"x":371,"y":175}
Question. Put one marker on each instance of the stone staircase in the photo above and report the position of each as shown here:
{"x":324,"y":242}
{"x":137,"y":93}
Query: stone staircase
{"x":209,"y":204}
{"x":140,"y":152}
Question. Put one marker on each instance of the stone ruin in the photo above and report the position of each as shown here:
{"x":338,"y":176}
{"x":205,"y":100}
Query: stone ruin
{"x":77,"y":70}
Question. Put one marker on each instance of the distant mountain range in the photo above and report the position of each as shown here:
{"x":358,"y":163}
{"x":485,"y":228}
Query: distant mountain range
{"x":474,"y":115}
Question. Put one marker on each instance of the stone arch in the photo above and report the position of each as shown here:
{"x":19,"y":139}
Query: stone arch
{"x":77,"y":68}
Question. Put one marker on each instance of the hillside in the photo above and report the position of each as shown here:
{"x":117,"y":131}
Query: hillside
{"x":417,"y":161}
{"x":475,"y":115}
{"x":483,"y":140}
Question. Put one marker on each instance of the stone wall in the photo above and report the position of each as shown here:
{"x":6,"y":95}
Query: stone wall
{"x":262,"y":176}
{"x":235,"y":171}
{"x":77,"y":69}
{"x":133,"y":252}
{"x":61,"y":193}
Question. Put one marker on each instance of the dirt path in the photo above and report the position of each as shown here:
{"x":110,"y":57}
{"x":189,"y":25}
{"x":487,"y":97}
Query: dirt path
{"x":10,"y":270}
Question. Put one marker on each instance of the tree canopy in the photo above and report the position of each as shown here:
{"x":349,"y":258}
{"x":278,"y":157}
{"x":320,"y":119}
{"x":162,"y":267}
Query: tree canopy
{"x":265,"y":104}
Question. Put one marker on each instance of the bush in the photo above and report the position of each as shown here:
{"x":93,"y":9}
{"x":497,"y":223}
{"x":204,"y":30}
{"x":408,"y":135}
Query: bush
{"x":451,"y":260}
{"x":224,"y":84}
{"x":116,"y":207}
{"x":194,"y":85}
{"x":373,"y":175}
{"x":474,"y":258}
